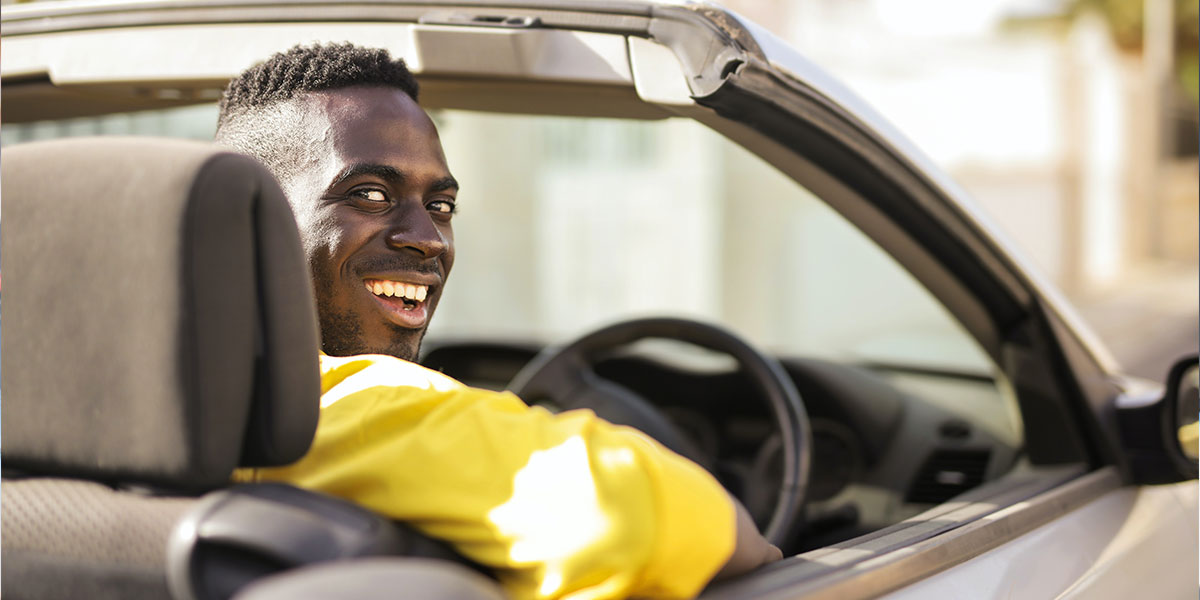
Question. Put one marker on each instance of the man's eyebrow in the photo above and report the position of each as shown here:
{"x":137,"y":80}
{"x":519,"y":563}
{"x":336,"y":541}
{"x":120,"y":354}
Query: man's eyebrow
{"x":443,"y":184}
{"x":390,"y":174}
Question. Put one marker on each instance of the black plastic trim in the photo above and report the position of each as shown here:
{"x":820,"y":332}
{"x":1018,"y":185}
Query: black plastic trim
{"x":805,"y":123}
{"x":752,"y":97}
{"x":235,"y":536}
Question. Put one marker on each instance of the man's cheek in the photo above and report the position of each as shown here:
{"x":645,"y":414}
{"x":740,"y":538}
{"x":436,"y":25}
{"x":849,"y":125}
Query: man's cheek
{"x":321,"y":238}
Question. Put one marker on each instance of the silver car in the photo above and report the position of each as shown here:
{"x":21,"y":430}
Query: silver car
{"x":906,"y":408}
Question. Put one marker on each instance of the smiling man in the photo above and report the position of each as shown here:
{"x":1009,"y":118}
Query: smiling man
{"x":561,"y":506}
{"x":364,"y":171}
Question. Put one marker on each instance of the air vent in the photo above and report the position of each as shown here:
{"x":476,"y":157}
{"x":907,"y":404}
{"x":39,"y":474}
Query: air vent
{"x":948,"y":473}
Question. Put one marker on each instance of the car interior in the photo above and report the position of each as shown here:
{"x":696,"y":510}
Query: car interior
{"x":130,"y":466}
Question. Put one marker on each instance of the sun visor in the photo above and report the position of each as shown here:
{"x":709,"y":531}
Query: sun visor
{"x":536,"y":70}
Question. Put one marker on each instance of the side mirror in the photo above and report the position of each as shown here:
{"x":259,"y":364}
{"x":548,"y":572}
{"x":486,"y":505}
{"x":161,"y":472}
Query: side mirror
{"x":1183,"y":392}
{"x":1160,"y":434}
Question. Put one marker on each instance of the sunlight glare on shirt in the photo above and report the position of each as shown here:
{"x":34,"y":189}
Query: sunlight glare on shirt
{"x":553,"y":511}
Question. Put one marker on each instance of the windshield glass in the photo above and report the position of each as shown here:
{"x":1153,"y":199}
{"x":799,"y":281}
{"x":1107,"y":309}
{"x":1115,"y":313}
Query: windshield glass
{"x":569,"y":223}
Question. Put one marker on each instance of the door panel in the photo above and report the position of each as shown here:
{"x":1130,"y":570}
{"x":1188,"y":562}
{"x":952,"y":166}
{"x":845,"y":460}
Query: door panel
{"x":1131,"y":542}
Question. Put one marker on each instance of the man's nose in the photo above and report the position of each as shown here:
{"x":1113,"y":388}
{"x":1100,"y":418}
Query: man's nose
{"x":415,"y":230}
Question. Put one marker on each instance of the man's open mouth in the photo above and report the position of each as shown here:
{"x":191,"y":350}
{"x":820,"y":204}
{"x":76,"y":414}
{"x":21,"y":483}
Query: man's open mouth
{"x":407,"y":296}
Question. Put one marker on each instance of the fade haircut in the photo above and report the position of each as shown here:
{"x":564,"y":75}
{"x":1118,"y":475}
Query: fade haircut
{"x":258,"y":118}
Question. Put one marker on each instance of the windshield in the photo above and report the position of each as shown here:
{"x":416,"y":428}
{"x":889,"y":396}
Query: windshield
{"x":568,"y":223}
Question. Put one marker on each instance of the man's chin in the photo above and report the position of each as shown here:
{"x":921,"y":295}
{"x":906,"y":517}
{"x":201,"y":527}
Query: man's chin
{"x":343,"y":335}
{"x":406,"y":349}
{"x":405,"y":344}
{"x":408,"y":352}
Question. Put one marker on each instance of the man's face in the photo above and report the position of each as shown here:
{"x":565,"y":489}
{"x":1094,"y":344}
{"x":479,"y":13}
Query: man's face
{"x":374,"y":211}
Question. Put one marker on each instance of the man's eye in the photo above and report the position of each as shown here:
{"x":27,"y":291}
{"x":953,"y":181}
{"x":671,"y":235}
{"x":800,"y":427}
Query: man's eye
{"x":370,"y":195}
{"x":445,"y":207}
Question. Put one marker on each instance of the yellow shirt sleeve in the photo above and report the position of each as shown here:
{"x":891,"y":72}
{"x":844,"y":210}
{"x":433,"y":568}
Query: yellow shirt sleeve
{"x":562,"y":506}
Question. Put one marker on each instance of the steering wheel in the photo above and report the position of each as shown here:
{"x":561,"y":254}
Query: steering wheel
{"x":566,"y":375}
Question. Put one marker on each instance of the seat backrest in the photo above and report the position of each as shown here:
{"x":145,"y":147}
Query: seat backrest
{"x":160,"y":331}
{"x":160,"y":323}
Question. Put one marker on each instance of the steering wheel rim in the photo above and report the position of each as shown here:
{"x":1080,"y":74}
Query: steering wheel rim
{"x":566,"y":374}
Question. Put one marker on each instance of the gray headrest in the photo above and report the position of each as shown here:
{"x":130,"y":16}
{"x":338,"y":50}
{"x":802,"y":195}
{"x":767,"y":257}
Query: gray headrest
{"x":159,"y":321}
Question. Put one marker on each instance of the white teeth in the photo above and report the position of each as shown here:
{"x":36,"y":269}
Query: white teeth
{"x":395,"y":289}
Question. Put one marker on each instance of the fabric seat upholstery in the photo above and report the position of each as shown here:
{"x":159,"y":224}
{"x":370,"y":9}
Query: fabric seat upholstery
{"x":160,"y":332}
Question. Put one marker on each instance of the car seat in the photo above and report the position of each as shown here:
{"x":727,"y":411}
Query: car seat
{"x":161,"y":332}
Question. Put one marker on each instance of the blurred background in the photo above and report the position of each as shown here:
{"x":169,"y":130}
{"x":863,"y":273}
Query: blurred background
{"x":1073,"y":124}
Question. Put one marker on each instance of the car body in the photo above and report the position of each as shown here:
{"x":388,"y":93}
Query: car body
{"x":970,"y":437}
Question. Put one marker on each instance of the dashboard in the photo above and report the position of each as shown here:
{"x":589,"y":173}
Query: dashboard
{"x":888,"y":441}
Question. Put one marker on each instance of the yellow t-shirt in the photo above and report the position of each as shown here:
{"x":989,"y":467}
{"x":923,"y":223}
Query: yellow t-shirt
{"x":562,"y":506}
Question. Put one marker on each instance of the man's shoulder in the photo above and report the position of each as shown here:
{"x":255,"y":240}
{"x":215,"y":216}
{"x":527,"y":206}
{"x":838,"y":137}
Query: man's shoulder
{"x":371,"y":370}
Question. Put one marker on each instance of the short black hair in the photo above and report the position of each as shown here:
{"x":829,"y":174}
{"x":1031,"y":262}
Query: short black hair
{"x":312,"y":69}
{"x":249,"y":118}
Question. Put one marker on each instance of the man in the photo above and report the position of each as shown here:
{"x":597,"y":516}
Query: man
{"x":560,"y":505}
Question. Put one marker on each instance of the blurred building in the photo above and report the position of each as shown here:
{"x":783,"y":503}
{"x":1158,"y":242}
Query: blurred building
{"x":1083,"y":152}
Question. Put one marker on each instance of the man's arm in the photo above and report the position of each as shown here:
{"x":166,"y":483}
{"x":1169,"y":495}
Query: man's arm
{"x":559,"y":505}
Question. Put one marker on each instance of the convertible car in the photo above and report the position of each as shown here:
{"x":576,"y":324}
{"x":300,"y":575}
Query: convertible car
{"x":668,"y":216}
